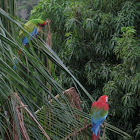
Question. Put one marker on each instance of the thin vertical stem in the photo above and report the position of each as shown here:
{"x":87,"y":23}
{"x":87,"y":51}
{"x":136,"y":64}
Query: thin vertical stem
{"x":49,"y":42}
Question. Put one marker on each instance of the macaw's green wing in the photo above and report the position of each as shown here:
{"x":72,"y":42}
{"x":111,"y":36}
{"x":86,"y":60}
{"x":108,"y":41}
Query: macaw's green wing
{"x":98,"y":112}
{"x":29,"y":26}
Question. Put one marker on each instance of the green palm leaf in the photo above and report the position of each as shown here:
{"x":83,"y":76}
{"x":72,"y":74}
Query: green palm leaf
{"x":25,"y":90}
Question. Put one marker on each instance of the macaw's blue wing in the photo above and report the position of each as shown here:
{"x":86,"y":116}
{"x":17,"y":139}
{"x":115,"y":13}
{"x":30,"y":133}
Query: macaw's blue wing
{"x":96,"y":125}
{"x":97,"y":120}
{"x":32,"y":34}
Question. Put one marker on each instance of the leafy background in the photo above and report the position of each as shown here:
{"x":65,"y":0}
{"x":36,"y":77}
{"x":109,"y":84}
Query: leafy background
{"x":98,"y":43}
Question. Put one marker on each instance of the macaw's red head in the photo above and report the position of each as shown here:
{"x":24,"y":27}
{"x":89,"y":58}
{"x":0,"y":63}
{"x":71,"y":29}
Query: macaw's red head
{"x":44,"y":23}
{"x":103,"y":99}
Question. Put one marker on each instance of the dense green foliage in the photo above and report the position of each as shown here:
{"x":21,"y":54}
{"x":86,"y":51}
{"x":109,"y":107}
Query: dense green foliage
{"x":26,"y":108}
{"x":99,"y":40}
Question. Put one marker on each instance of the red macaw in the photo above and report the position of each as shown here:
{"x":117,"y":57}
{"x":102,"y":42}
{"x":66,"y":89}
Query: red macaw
{"x":99,"y":112}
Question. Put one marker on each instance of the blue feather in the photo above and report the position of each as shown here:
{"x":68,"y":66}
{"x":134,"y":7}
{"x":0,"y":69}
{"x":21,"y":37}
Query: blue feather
{"x":95,"y":127}
{"x":96,"y":122}
{"x":32,"y":34}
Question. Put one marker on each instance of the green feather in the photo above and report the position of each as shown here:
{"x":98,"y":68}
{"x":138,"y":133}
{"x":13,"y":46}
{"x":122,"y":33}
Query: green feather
{"x":29,"y":26}
{"x":101,"y":111}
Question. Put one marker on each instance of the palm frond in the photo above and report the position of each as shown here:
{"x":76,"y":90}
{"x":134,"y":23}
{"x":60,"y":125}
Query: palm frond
{"x":29,"y":80}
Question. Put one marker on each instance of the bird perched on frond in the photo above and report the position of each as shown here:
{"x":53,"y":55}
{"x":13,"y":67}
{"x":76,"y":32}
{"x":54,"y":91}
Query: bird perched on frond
{"x":99,"y":112}
{"x":33,"y":27}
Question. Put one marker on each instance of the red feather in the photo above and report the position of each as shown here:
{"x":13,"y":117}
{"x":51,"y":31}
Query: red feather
{"x":47,"y":21}
{"x":96,"y":137}
{"x":97,"y":105}
{"x":101,"y":103}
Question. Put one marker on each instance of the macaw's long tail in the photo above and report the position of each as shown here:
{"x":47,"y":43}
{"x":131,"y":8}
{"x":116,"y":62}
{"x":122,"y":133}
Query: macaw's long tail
{"x":96,"y":137}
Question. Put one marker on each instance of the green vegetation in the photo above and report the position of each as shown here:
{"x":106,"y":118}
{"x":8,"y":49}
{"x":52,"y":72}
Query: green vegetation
{"x":97,"y":42}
